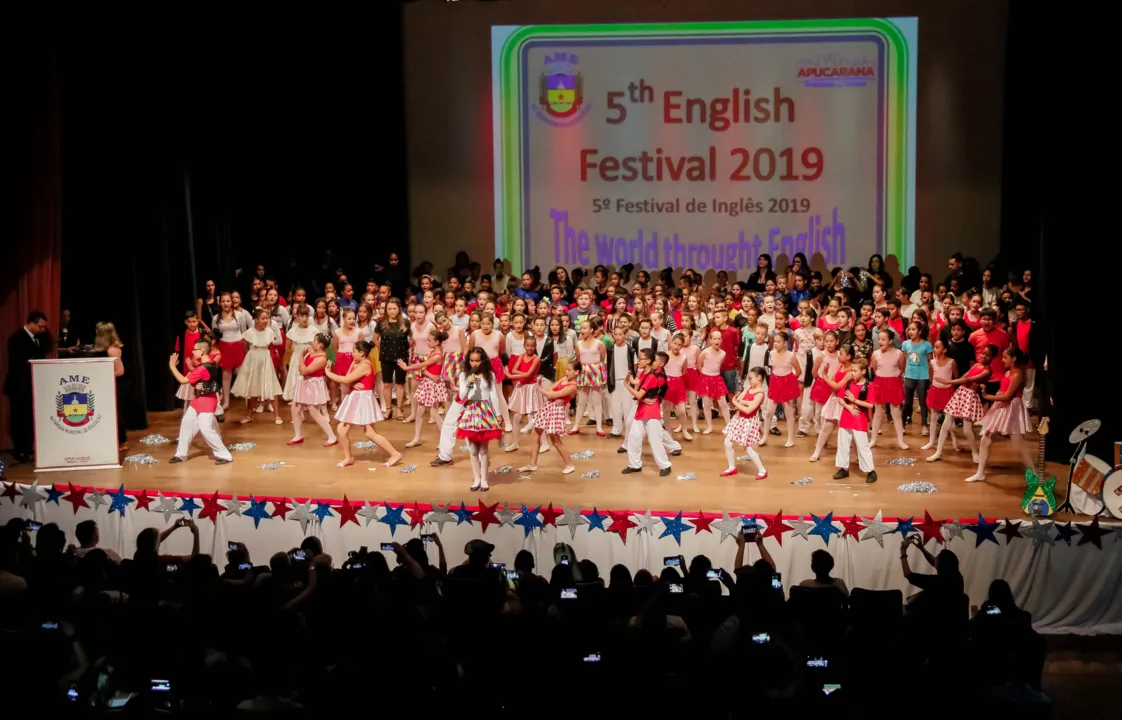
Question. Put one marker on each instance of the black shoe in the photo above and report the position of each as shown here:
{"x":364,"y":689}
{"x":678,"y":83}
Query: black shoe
{"x":222,"y":461}
{"x":841,"y":474}
{"x":775,"y":431}
{"x":676,"y":453}
{"x":175,"y":460}
{"x":440,"y":463}
{"x":621,"y":449}
{"x":800,"y":433}
{"x":664,"y":472}
{"x":590,"y":422}
{"x":628,"y":470}
{"x":871,"y":476}
{"x":221,"y":418}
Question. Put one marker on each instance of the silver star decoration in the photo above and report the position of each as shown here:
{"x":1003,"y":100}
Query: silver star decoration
{"x":801,"y":528}
{"x":302,"y":513}
{"x":1039,"y":533}
{"x":572,"y":519}
{"x":167,"y":507}
{"x":728,"y":525}
{"x":952,"y":530}
{"x":370,"y":512}
{"x":440,"y":515}
{"x":234,"y":506}
{"x":31,"y":495}
{"x":96,"y":499}
{"x":507,"y":516}
{"x":646,"y":522}
{"x":875,"y":528}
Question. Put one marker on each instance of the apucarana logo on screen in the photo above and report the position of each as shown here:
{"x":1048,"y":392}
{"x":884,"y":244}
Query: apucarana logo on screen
{"x":834,"y":69}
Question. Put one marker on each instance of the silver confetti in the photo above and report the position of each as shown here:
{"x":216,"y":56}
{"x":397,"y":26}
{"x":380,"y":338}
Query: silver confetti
{"x":271,"y":466}
{"x":141,"y":459}
{"x":525,"y":477}
{"x":502,"y":470}
{"x":242,"y":447}
{"x":591,"y":475}
{"x":918,"y":487}
{"x":409,"y":469}
{"x":688,"y":476}
{"x":582,"y":455}
{"x":366,"y":445}
{"x":465,"y":448}
{"x":154,"y":439}
{"x":903,"y":462}
{"x":803,"y":481}
{"x":743,"y":458}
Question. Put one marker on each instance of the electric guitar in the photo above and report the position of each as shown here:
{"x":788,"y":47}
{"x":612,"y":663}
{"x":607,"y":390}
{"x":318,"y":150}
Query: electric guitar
{"x":1040,"y":495}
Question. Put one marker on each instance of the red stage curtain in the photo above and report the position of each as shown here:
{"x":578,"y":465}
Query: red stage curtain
{"x":30,"y":277}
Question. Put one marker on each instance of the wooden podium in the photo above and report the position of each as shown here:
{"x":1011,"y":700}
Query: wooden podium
{"x":75,"y":409}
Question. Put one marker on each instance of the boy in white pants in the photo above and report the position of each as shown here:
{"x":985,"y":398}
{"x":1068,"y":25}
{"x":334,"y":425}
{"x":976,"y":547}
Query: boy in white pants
{"x":854,"y":425}
{"x":200,"y":417}
{"x":649,"y":388}
{"x":448,"y":433}
{"x":621,"y":363}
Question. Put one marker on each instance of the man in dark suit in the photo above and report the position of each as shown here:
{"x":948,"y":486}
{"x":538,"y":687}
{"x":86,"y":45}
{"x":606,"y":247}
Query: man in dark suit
{"x":28,"y":343}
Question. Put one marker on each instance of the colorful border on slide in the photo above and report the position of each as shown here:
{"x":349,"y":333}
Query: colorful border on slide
{"x":510,"y":109}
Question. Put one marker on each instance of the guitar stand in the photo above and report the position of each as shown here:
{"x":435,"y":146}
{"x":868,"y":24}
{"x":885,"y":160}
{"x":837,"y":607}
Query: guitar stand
{"x":1066,"y":505}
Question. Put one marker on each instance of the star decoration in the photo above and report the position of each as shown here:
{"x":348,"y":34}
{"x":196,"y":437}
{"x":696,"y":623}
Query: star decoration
{"x":983,"y":531}
{"x":596,"y":521}
{"x":506,"y":515}
{"x":824,"y":527}
{"x":1092,"y":533}
{"x":417,"y":515}
{"x":53,"y":495}
{"x":953,"y":529}
{"x":369,"y":513}
{"x":776,"y":527}
{"x":120,"y":501}
{"x":10,"y":492}
{"x":728,"y":526}
{"x":76,"y":497}
{"x":142,"y":500}
{"x":166,"y":507}
{"x":257,"y":511}
{"x":851,"y":527}
{"x":674,"y":527}
{"x":528,"y":520}
{"x":440,"y":515}
{"x":931,"y":529}
{"x":875,"y":529}
{"x":1039,"y":533}
{"x":905,"y":527}
{"x":189,"y":506}
{"x":234,"y":506}
{"x":801,"y":527}
{"x":347,"y":512}
{"x":463,"y":515}
{"x":30,"y":495}
{"x":1065,"y":532}
{"x":646,"y":522}
{"x":302,"y":513}
{"x":280,"y":508}
{"x":485,"y":515}
{"x":97,"y":497}
{"x":621,"y":523}
{"x":322,"y":511}
{"x":702,"y":523}
{"x":211,"y":508}
{"x":393,"y":517}
{"x":1011,"y":530}
{"x":572,"y":519}
{"x":549,"y":516}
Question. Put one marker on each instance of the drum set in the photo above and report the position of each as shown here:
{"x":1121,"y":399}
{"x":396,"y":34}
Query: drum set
{"x":1094,"y":486}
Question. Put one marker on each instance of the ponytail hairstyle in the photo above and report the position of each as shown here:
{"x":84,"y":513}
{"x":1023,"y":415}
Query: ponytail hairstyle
{"x":323,"y":339}
{"x":1020,"y":358}
{"x":363,"y":347}
{"x":438,"y":336}
{"x":759,"y":371}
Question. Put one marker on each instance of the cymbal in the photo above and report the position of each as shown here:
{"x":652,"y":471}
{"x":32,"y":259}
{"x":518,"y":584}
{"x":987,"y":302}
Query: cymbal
{"x":1085,"y":430}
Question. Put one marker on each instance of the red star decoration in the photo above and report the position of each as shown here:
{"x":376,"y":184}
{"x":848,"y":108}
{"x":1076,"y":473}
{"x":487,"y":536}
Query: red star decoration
{"x":851,"y":527}
{"x":777,"y":527}
{"x":211,"y":508}
{"x":549,"y":516}
{"x":1092,"y":533}
{"x":931,"y":529}
{"x":77,"y":498}
{"x":347,"y":512}
{"x":702,"y":523}
{"x":10,"y":492}
{"x":281,"y":508}
{"x":142,"y":500}
{"x":621,"y":522}
{"x":1011,"y":530}
{"x":417,"y":516}
{"x":485,"y":515}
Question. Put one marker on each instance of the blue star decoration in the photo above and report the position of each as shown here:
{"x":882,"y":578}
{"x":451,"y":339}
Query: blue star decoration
{"x":1065,"y":532}
{"x":595,"y":521}
{"x":189,"y":506}
{"x":53,"y":494}
{"x":983,"y":531}
{"x":256,"y":511}
{"x":120,"y":501}
{"x":322,"y":511}
{"x":904,"y":527}
{"x":393,"y":517}
{"x":823,"y":527}
{"x":462,"y":515}
{"x":675,"y":527}
{"x":529,"y":520}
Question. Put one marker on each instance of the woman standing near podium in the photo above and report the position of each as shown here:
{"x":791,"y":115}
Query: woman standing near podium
{"x":108,"y":344}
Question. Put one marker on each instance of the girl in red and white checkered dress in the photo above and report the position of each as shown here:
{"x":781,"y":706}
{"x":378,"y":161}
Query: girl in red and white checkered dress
{"x":431,"y":392}
{"x":744,"y":428}
{"x":553,"y":417}
{"x":965,"y":404}
{"x":1007,"y":415}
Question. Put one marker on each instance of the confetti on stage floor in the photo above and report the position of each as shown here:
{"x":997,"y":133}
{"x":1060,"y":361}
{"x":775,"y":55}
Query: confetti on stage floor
{"x":591,"y":475}
{"x":582,"y":455}
{"x":141,"y":459}
{"x":408,"y":469}
{"x":903,"y":462}
{"x":271,"y":466}
{"x":689,"y":477}
{"x":502,"y":470}
{"x":366,"y":445}
{"x":803,"y":481}
{"x":918,"y":487}
{"x":241,"y":447}
{"x":154,"y":439}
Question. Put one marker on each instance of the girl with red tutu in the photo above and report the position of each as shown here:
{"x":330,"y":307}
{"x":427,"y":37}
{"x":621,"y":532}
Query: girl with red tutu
{"x":309,"y":391}
{"x":344,"y":342}
{"x":965,"y":403}
{"x":358,"y":406}
{"x":431,"y":393}
{"x":710,"y":385}
{"x":783,"y":384}
{"x":553,"y":417}
{"x":1007,"y":415}
{"x":526,"y":399}
{"x":479,"y":423}
{"x":943,"y":370}
{"x":825,"y":365}
{"x":745,"y":429}
{"x":832,"y":408}
{"x":888,"y":386}
{"x":691,"y":350}
{"x":229,"y":326}
{"x":676,"y":394}
{"x":493,"y":344}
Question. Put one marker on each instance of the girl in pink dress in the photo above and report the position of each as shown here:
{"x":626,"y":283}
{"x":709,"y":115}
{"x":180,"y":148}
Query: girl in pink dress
{"x":492,"y":342}
{"x":710,"y":384}
{"x":832,"y":408}
{"x":593,"y":376}
{"x":453,"y":347}
{"x":783,"y":385}
{"x":310,"y":391}
{"x":343,"y":343}
{"x":965,"y":403}
{"x":431,"y":393}
{"x":676,"y":394}
{"x":943,"y":370}
{"x":745,"y":429}
{"x":1007,"y":415}
{"x":358,"y":406}
{"x":553,"y":417}
{"x":888,"y":387}
{"x":526,"y":398}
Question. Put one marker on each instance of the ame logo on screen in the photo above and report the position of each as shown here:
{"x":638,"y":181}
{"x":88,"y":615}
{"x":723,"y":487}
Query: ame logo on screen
{"x":561,"y":91}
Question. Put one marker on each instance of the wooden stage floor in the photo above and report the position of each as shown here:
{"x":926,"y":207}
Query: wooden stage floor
{"x":310,"y":470}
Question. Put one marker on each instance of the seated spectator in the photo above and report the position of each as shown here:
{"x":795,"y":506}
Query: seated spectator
{"x":822,"y":564}
{"x":11,"y":583}
{"x":88,"y":537}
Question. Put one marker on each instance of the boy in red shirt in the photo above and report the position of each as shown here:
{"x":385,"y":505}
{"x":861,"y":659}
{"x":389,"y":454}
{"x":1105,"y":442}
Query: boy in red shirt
{"x":648,"y":389}
{"x":989,"y":334}
{"x":199,"y":417}
{"x":730,"y":343}
{"x":854,"y":425}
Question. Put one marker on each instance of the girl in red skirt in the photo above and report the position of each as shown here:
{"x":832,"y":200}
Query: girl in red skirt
{"x":229,"y":326}
{"x":677,"y":395}
{"x":965,"y":403}
{"x":832,"y":408}
{"x":431,"y":391}
{"x":479,"y":422}
{"x":710,"y":385}
{"x":526,"y":398}
{"x":552,"y":418}
{"x":783,"y":385}
{"x":691,"y":350}
{"x":745,"y":429}
{"x":888,"y":386}
{"x":943,"y":371}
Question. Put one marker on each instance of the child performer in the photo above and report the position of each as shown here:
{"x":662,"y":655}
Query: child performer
{"x":453,"y":348}
{"x":965,"y":403}
{"x":200,"y":415}
{"x":648,"y":389}
{"x":677,"y":396}
{"x":591,"y":354}
{"x":888,"y":388}
{"x":943,"y":370}
{"x":691,"y":350}
{"x":257,"y":379}
{"x":745,"y":429}
{"x":553,"y":417}
{"x":783,"y":384}
{"x":431,"y":391}
{"x":191,"y":334}
{"x":832,"y":408}
{"x":710,"y":385}
{"x":343,"y":343}
{"x":621,"y":363}
{"x":825,"y":365}
{"x":228,"y":327}
{"x":493,"y":344}
{"x":478,"y":423}
{"x":1007,"y":415}
{"x":358,"y":406}
{"x":310,"y":389}
{"x":853,"y":425}
{"x":299,"y":339}
{"x":527,"y":397}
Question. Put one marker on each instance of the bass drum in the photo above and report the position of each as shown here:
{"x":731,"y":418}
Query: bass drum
{"x":1112,"y":492}
{"x":1087,"y":485}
